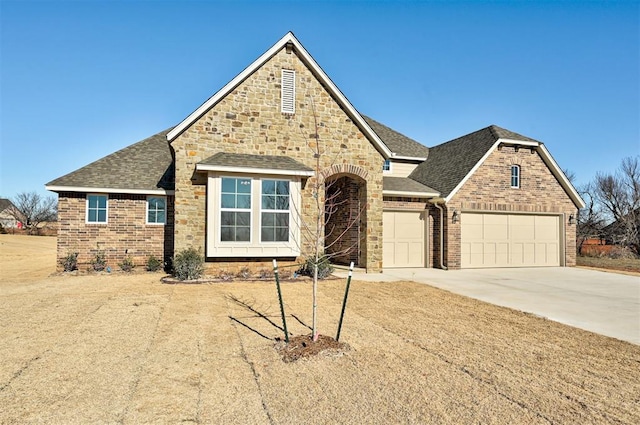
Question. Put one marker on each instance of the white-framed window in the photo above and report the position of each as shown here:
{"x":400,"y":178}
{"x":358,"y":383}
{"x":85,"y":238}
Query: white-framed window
{"x":156,"y":210}
{"x":274,"y":211}
{"x":386,"y":166}
{"x":235,"y":210}
{"x":288,"y":91}
{"x":515,"y":176}
{"x":97,"y":208}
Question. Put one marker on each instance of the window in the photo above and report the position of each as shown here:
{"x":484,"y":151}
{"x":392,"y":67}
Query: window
{"x":97,"y":208}
{"x":288,"y":91}
{"x":156,"y":210}
{"x":515,"y":176}
{"x":386,"y":166}
{"x":274,"y":211}
{"x":235,"y":210}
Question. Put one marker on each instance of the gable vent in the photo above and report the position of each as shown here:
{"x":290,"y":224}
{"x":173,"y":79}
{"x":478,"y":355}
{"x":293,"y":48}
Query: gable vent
{"x":288,"y":91}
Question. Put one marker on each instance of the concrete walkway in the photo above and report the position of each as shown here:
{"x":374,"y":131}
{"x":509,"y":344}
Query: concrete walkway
{"x":600,"y":302}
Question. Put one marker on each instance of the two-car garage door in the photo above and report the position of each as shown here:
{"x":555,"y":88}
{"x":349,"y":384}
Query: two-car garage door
{"x":509,"y":240}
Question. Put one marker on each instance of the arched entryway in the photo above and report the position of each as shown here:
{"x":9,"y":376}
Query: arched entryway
{"x":346,"y":219}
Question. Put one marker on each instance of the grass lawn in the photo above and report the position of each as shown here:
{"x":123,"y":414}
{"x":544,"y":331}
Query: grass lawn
{"x":128,"y":349}
{"x":622,"y":264}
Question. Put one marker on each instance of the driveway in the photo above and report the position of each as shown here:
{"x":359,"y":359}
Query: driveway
{"x":601,"y":302}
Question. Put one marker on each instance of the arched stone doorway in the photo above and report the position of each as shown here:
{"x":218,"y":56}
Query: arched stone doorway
{"x":346,"y":219}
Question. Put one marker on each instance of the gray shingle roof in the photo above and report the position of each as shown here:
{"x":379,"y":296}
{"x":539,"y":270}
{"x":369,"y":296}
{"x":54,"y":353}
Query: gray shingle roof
{"x":146,"y":165}
{"x":4,"y":204}
{"x":397,"y":143}
{"x":450,"y":162}
{"x":404,"y":184}
{"x":223,"y":159}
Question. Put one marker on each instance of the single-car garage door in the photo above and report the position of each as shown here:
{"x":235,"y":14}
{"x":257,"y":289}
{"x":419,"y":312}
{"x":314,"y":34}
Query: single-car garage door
{"x":403,"y":239}
{"x":509,"y":240}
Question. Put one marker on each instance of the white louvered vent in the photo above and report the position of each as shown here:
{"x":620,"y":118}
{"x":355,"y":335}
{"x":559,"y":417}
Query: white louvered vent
{"x":288,"y":91}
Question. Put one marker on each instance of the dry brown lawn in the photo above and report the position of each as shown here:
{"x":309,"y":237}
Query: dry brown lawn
{"x":128,"y":349}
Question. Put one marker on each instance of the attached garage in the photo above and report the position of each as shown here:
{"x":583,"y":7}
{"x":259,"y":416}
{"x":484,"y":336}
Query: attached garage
{"x":403,"y":238}
{"x":510,"y":240}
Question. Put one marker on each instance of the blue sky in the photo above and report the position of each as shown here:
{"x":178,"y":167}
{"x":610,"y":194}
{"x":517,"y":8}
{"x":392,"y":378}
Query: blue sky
{"x":82,"y":79}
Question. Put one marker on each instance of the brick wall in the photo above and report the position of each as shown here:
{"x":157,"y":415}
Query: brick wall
{"x":489,"y":190}
{"x":248,"y":120}
{"x":125,"y":234}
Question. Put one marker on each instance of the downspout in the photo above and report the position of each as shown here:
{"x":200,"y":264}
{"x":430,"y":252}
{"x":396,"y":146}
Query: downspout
{"x":435,"y":204}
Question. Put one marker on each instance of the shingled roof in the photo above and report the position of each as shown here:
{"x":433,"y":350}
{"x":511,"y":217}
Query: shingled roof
{"x":397,"y":143}
{"x":259,"y":162}
{"x":406,"y":185}
{"x":450,"y":162}
{"x":143,"y":166}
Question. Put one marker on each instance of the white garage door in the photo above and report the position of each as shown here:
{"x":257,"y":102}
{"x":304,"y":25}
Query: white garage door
{"x":403,"y":239}
{"x":509,"y":240}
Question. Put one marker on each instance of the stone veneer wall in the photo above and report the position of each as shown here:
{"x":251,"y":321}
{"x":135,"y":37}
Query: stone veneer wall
{"x":539,"y":192}
{"x":125,"y":234}
{"x":248,"y":120}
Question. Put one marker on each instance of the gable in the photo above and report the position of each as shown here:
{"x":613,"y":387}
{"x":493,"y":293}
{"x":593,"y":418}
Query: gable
{"x":290,"y":44}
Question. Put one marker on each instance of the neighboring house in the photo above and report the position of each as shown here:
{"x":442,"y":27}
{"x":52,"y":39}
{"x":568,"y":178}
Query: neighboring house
{"x":234,"y":179}
{"x":7,"y":217}
{"x":624,"y":232}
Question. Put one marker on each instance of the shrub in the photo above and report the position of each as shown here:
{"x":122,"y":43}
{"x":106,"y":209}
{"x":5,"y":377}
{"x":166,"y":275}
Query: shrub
{"x":324,"y":267}
{"x":127,"y":264}
{"x":70,"y":262}
{"x":622,"y":252}
{"x":153,"y":264}
{"x":188,"y":264}
{"x":2,"y":229}
{"x":99,"y":262}
{"x":244,"y":273}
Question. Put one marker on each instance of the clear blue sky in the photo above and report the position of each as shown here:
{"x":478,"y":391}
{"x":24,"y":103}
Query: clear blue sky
{"x":82,"y":79}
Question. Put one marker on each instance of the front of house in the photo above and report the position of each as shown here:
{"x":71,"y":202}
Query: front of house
{"x":247,"y":176}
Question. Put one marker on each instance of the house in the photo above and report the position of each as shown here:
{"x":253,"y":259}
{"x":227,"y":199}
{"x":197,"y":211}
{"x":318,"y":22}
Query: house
{"x":8,"y":215}
{"x":236,"y":179}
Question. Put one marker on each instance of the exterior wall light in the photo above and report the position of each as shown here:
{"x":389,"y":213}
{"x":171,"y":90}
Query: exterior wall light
{"x":455,"y":216}
{"x":572,"y":219}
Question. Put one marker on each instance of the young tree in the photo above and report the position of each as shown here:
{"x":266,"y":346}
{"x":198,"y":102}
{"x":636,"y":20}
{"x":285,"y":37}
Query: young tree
{"x":328,"y":199}
{"x":619,"y":196}
{"x":32,"y":209}
{"x":590,"y":222}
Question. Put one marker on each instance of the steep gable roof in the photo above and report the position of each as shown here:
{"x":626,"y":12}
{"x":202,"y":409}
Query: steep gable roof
{"x":264,"y":164}
{"x":144,"y":167}
{"x":450,"y":164}
{"x":288,"y":40}
{"x":4,"y":204}
{"x":399,"y":144}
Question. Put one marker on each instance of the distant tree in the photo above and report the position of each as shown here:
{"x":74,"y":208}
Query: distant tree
{"x":590,"y":221}
{"x":32,"y":209}
{"x":619,"y":196}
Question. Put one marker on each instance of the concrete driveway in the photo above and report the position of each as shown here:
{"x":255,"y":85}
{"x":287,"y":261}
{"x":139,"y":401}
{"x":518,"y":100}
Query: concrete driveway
{"x":601,"y":302}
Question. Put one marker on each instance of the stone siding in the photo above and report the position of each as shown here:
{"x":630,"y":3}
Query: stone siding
{"x":125,"y":233}
{"x":248,"y":120}
{"x":489,"y":189}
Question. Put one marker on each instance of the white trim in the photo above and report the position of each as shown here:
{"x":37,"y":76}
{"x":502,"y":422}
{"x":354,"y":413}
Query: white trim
{"x":315,"y":69}
{"x":410,"y":194}
{"x":473,"y":170}
{"x":518,"y":177}
{"x":564,"y":181}
{"x":519,"y":142}
{"x":408,"y":158}
{"x":86,"y":209}
{"x":110,"y":190}
{"x":288,"y":91}
{"x":247,"y":170}
{"x":146,"y":218}
{"x":390,"y":170}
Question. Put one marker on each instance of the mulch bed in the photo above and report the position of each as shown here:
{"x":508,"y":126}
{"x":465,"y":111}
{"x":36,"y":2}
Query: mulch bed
{"x":302,"y":346}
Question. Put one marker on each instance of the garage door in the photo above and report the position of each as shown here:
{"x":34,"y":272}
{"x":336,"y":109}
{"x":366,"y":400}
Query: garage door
{"x":403,"y":239}
{"x":509,"y":240}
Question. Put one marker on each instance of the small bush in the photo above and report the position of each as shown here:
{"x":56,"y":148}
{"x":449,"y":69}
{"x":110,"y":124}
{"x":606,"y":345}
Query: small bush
{"x":188,"y":264}
{"x":99,"y":262}
{"x":224,"y":275}
{"x":127,"y":264}
{"x":265,"y":274}
{"x":324,"y":267}
{"x":70,"y":262}
{"x":2,"y":229}
{"x":244,"y":273}
{"x":622,"y":252}
{"x":153,"y":264}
